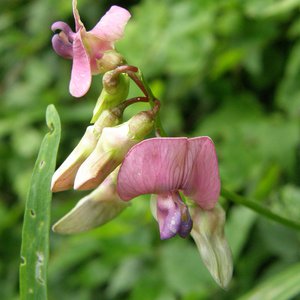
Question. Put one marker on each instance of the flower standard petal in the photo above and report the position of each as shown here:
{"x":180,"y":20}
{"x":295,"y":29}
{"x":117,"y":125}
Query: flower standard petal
{"x":202,"y":181}
{"x":153,"y":166}
{"x":81,"y":75}
{"x":112,"y":24}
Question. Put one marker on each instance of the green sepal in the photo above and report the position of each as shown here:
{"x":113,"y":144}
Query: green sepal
{"x":115,"y":90}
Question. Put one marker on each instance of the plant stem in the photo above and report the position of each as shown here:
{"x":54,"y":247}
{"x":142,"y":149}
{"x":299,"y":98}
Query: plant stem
{"x":259,"y":208}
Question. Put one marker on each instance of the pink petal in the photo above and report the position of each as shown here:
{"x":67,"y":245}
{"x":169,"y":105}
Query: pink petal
{"x":202,"y":181}
{"x":153,"y":166}
{"x":81,"y":75}
{"x":78,"y":23}
{"x":112,"y":24}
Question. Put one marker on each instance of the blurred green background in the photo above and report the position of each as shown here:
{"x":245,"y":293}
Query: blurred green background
{"x":228,"y":69}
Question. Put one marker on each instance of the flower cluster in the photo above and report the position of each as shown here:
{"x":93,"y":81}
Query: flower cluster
{"x":114,"y":158}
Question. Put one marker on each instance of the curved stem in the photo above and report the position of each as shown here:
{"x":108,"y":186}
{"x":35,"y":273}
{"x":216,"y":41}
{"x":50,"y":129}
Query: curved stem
{"x":257,"y":207}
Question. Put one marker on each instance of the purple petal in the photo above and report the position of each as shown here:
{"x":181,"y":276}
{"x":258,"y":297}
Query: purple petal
{"x":168,"y":215}
{"x":61,"y":47}
{"x":81,"y":75}
{"x":65,"y":28}
{"x":153,"y":166}
{"x":202,"y":181}
{"x":172,"y":216}
{"x":186,"y":224}
{"x":112,"y":24}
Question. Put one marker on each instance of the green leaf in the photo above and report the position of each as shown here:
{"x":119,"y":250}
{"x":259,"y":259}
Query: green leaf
{"x":35,"y":236}
{"x":282,"y":286}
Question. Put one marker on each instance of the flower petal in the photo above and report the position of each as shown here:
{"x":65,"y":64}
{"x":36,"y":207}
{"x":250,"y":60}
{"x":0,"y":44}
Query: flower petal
{"x":65,"y":28}
{"x":171,"y":214}
{"x":81,"y":75}
{"x":208,"y":234}
{"x":202,"y":181}
{"x":112,"y":24}
{"x":78,"y":23}
{"x":168,"y":215}
{"x":61,"y":47}
{"x":153,"y":166}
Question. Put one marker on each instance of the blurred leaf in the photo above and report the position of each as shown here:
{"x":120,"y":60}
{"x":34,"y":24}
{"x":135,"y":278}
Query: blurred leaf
{"x":281,"y":286}
{"x":268,"y":8}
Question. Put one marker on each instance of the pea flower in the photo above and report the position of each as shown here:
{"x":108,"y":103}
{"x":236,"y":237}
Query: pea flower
{"x":164,"y":166}
{"x":87,"y":48}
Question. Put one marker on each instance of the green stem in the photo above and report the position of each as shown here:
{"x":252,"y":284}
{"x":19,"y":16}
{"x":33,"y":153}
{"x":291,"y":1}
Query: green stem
{"x":259,"y":208}
{"x":158,"y":125}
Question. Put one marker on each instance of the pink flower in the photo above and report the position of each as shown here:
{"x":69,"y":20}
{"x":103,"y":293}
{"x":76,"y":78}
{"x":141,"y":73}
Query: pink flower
{"x":164,"y":166}
{"x":86,"y":48}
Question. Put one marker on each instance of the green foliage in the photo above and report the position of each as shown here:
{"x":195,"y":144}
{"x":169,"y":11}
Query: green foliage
{"x":229,"y":69}
{"x":36,"y":225}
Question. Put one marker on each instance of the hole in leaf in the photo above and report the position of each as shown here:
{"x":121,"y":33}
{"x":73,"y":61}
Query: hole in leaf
{"x":23,"y":261}
{"x":42,"y":164}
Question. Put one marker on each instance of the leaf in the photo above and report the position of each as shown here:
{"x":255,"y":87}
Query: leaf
{"x":282,"y":286}
{"x":35,"y":236}
{"x":270,"y":8}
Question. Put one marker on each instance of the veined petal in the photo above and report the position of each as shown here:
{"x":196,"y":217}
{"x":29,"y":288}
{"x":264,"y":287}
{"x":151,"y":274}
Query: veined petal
{"x":208,"y":234}
{"x":202,"y":181}
{"x":81,"y":75}
{"x":112,"y":24}
{"x":62,"y":47}
{"x":153,"y":166}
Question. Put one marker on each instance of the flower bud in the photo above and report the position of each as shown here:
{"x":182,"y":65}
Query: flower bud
{"x":111,"y":149}
{"x":115,"y":90}
{"x":208,"y":233}
{"x":109,"y":61}
{"x":96,"y":209}
{"x":64,"y":176}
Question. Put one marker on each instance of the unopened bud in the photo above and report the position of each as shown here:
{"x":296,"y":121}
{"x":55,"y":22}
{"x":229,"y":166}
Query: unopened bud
{"x":64,"y":176}
{"x":115,"y":90}
{"x":108,"y":118}
{"x":111,"y":149}
{"x":109,"y":61}
{"x":141,"y":124}
{"x":96,"y":209}
{"x":208,"y":233}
